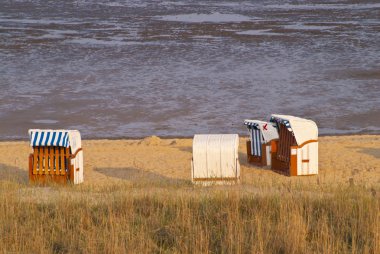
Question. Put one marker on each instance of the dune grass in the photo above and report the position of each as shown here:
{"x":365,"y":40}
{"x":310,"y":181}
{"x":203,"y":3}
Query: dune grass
{"x":152,"y":218}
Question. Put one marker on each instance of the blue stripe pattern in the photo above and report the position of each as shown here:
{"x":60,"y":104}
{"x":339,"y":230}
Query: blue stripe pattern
{"x":256,"y":137}
{"x":250,"y":124}
{"x":47,"y":138}
{"x":256,"y":142}
{"x":280,"y":121}
{"x":58,"y":142}
{"x":53,"y":138}
{"x":42,"y":137}
{"x":50,"y":138}
{"x":35,"y":136}
{"x":65,"y":139}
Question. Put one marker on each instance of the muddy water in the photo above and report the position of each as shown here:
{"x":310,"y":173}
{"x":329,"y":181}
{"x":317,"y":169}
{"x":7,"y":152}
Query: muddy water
{"x":139,"y":68}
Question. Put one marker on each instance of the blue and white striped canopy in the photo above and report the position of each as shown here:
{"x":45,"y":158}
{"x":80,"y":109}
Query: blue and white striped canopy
{"x":251,"y":125}
{"x":49,"y":138}
{"x":282,"y":121}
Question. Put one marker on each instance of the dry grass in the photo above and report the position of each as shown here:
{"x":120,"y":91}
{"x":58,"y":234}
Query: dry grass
{"x":169,"y":217}
{"x":137,"y":198}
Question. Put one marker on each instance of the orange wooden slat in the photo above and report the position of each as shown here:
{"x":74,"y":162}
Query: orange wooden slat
{"x":41,"y":160}
{"x":71,"y":169}
{"x":62,"y":169}
{"x":35,"y":160}
{"x":56,"y":160}
{"x":46,"y":155}
{"x":68,"y":162}
{"x":51,"y":159}
{"x":293,"y":163}
{"x":274,"y":146}
{"x":47,"y":158}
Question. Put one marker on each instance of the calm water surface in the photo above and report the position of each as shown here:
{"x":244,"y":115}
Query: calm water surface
{"x":139,"y":68}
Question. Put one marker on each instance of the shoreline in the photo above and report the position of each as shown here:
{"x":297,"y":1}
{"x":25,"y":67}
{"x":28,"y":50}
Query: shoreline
{"x":189,"y":137}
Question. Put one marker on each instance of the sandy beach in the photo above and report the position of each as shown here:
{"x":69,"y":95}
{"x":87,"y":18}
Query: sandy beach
{"x":341,"y":158}
{"x":137,"y":197}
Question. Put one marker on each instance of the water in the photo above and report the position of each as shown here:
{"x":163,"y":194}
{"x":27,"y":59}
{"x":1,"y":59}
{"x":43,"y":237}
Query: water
{"x":140,"y":68}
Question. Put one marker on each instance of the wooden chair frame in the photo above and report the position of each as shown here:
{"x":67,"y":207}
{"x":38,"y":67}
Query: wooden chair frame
{"x":52,"y":164}
{"x":289,"y":167}
{"x":257,"y":160}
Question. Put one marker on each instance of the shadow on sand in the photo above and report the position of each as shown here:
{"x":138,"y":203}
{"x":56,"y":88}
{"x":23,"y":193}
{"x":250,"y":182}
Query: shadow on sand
{"x":13,"y":174}
{"x":185,"y":149}
{"x":375,"y":152}
{"x":141,"y":176}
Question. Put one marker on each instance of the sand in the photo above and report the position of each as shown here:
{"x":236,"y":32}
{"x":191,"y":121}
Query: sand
{"x":342,"y":160}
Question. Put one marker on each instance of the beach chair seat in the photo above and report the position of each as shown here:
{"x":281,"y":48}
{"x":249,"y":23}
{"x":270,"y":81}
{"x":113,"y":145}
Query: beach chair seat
{"x":215,"y":159}
{"x":57,"y":156}
{"x":259,"y":144}
{"x":295,"y":152}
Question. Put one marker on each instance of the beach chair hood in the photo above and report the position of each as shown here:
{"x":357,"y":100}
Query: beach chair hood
{"x":268,"y":130}
{"x":302,"y":129}
{"x":62,"y":138}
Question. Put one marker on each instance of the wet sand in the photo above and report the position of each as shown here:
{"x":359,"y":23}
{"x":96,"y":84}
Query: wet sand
{"x":152,"y":159}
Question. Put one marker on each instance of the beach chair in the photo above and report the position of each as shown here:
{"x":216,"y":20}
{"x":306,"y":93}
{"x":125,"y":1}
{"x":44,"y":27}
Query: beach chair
{"x":57,"y":156}
{"x":259,"y":144}
{"x":215,"y":159}
{"x":295,"y":153}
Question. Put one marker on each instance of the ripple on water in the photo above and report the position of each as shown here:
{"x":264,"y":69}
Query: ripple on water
{"x":206,"y":18}
{"x":45,"y":121}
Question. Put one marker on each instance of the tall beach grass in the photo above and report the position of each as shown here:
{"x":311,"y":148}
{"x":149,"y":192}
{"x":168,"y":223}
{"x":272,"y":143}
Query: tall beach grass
{"x":180,"y":218}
